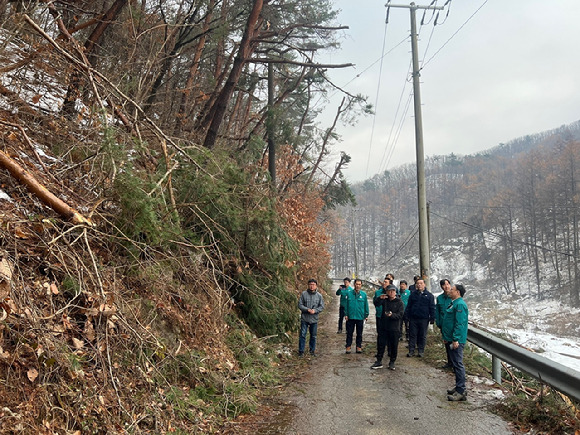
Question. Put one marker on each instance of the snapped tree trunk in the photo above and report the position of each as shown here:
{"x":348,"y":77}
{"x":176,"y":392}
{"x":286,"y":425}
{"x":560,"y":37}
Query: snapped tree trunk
{"x":40,"y":191}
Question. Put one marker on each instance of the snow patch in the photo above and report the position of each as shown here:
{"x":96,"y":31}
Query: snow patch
{"x":4,"y":195}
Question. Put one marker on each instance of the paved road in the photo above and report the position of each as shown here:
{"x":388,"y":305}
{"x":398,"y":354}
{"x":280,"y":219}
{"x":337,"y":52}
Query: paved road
{"x":340,"y":394}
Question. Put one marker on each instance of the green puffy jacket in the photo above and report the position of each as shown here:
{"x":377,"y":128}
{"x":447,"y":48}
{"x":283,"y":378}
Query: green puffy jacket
{"x":342,"y":292}
{"x":357,"y":305}
{"x":405,"y":296}
{"x":455,"y":322}
{"x":442,"y":303}
{"x":379,"y":308}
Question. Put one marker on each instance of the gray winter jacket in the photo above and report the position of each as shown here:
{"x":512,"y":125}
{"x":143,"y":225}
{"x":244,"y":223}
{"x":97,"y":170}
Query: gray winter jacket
{"x":312,"y":300}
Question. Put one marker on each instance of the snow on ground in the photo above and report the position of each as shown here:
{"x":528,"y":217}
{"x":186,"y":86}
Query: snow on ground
{"x":4,"y":195}
{"x":548,"y":327}
{"x":565,"y":351}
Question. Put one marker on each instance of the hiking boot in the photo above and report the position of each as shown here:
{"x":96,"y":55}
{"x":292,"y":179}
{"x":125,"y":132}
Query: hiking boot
{"x":312,"y":353}
{"x":377,"y":365}
{"x":339,"y":331}
{"x":446,"y":366}
{"x":392,"y":365}
{"x":457,"y":397}
{"x":348,"y":349}
{"x":358,"y":350}
{"x":452,"y":390}
{"x":410,"y":354}
{"x":420,"y":354}
{"x":300,"y":354}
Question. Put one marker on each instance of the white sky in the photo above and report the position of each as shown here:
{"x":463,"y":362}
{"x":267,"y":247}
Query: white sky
{"x":511,"y":70}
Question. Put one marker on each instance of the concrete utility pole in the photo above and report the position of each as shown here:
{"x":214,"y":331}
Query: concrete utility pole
{"x":424,"y":262}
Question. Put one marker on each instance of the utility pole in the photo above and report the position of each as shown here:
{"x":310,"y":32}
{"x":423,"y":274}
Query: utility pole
{"x":424,"y":261}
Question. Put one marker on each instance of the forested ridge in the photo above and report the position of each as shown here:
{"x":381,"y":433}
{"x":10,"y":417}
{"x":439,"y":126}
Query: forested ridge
{"x":511,"y":211}
{"x":149,"y":263}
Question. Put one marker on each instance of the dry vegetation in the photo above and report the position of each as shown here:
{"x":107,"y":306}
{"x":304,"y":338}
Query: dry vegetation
{"x":148,"y":283}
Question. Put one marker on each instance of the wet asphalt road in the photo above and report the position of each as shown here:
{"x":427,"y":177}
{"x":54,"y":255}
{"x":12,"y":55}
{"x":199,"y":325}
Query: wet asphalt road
{"x":340,"y":394}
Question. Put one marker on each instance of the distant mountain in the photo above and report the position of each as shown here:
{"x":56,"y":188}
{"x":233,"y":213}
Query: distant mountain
{"x":510,"y":213}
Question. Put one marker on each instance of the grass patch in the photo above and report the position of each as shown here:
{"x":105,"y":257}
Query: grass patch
{"x":546,"y":413}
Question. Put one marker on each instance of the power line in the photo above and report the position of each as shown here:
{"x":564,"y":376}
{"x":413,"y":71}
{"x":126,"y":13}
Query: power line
{"x":409,"y":238}
{"x":370,"y":66}
{"x":454,"y":34}
{"x":502,"y":236}
{"x":377,"y":97}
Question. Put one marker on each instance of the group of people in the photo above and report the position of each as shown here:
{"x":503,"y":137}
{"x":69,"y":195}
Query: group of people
{"x":412,"y":308}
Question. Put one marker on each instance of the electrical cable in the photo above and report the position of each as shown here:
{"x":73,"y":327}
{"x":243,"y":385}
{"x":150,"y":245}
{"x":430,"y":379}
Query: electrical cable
{"x":502,"y":236}
{"x":377,"y":97}
{"x":387,"y":147}
{"x":454,"y":34}
{"x":410,"y":237}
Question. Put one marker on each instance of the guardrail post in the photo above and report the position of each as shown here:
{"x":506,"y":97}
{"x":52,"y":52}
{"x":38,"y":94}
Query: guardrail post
{"x":496,"y":369}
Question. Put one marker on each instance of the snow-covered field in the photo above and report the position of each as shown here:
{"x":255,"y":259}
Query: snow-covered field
{"x":546,"y":327}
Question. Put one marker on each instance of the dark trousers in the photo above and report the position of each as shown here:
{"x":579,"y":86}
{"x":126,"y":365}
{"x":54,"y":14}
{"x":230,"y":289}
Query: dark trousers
{"x":406,"y":323}
{"x":340,"y":317}
{"x":457,"y":362}
{"x":390,"y":340}
{"x":417,"y":334}
{"x":448,"y":351}
{"x":378,"y":335}
{"x":351,"y":324}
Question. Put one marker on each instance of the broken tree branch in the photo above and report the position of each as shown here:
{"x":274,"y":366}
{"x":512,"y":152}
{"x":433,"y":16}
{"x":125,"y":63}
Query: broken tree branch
{"x":40,"y":191}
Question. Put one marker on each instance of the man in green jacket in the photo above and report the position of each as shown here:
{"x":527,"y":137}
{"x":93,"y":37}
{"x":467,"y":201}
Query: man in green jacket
{"x":342,"y":292}
{"x":455,"y":335}
{"x":357,"y":312}
{"x":441,"y":304}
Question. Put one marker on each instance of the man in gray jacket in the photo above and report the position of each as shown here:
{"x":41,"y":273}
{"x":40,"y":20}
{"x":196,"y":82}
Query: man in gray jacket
{"x":310,"y":304}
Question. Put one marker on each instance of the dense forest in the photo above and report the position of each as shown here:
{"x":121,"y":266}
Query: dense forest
{"x":512,"y":210}
{"x":164,"y":196}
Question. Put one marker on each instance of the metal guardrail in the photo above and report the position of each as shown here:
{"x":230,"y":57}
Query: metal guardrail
{"x":562,"y":378}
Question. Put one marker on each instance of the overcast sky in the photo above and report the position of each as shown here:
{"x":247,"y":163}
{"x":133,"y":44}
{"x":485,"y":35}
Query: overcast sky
{"x":511,"y":69}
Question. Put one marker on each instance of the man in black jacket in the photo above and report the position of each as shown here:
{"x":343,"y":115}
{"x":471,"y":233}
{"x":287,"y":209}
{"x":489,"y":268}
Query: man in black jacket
{"x":389,"y":329}
{"x":420,"y":311}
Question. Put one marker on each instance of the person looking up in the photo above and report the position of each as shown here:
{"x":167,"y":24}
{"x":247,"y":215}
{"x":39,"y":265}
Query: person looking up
{"x":342,"y":291}
{"x":420,"y":311}
{"x":441,"y":304}
{"x":404,"y":293}
{"x":392,"y":313}
{"x":455,"y":336}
